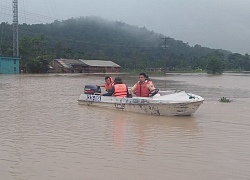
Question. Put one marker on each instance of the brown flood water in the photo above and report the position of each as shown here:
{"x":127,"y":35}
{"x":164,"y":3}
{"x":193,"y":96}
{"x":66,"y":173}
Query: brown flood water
{"x":45,"y":134}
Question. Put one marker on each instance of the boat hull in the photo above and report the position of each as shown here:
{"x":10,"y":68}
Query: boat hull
{"x":177,"y":104}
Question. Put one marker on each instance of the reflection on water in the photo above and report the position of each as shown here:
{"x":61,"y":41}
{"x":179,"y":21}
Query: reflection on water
{"x":119,"y":129}
{"x":142,"y":129}
{"x":45,"y":134}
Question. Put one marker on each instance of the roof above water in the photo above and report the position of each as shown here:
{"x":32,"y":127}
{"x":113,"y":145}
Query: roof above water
{"x":68,"y":63}
{"x":99,"y":63}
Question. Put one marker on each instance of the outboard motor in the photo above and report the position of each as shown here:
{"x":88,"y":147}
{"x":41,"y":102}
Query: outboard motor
{"x":92,"y":89}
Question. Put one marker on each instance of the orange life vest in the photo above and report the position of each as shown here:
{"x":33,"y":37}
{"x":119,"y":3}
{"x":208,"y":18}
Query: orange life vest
{"x":108,"y":86}
{"x":142,"y":89}
{"x":120,"y":90}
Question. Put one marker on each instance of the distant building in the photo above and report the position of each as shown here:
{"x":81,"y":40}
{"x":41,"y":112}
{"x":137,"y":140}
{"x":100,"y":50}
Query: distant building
{"x":83,"y":66}
{"x":101,"y":66}
{"x":67,"y":66}
{"x":9,"y":65}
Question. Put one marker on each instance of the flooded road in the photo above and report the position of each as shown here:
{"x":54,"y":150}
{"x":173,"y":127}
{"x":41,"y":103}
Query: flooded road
{"x":45,"y":134}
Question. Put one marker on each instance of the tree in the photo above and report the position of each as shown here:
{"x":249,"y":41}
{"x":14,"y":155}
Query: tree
{"x":33,"y":52}
{"x":58,"y":48}
{"x":38,"y":65}
{"x":215,"y":65}
{"x":246,"y":62}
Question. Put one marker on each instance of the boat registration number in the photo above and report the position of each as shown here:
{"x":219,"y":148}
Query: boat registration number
{"x":95,"y":98}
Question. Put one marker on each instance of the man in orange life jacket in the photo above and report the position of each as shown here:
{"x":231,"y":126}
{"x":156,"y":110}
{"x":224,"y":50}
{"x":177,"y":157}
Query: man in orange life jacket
{"x":108,"y":83}
{"x":142,"y":88}
{"x":118,"y":90}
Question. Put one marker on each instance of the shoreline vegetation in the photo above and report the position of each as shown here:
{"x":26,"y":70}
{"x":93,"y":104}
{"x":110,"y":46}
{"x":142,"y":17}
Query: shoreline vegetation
{"x":225,"y":100}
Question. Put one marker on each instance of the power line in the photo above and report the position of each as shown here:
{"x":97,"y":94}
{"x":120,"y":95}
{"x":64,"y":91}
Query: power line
{"x":55,"y":9}
{"x":38,"y":16}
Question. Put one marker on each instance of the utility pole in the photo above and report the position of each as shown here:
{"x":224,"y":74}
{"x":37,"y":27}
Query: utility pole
{"x":15,"y":28}
{"x":165,"y":53}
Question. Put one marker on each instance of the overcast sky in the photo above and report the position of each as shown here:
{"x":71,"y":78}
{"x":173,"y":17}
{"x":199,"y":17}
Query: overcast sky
{"x":220,"y":24}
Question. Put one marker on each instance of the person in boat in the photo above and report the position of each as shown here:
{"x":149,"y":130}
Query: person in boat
{"x":118,"y":90}
{"x":109,"y":82}
{"x":149,"y":81}
{"x":143,"y":88}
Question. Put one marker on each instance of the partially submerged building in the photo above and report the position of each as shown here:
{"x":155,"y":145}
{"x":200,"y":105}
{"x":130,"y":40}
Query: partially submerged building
{"x":67,"y":66}
{"x":9,"y":65}
{"x":101,"y":66}
{"x":84,"y":66}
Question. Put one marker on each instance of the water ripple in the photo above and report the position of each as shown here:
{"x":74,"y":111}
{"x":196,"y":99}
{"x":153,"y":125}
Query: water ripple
{"x":43,"y":129}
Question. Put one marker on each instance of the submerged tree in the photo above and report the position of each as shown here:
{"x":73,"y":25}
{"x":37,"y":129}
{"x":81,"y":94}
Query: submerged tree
{"x":215,"y":65}
{"x":38,"y":65}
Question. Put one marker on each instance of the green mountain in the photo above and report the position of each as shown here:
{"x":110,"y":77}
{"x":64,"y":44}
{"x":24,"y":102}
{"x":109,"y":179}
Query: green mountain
{"x":96,"y":38}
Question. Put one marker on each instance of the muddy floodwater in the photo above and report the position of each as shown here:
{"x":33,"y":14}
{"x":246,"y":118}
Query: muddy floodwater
{"x":46,"y":135}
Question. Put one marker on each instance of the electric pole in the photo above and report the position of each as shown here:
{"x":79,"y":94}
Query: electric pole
{"x":165,"y":53}
{"x":15,"y":28}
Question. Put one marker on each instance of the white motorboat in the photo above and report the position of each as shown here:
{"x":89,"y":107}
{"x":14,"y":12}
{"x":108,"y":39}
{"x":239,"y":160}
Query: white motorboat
{"x":165,"y":103}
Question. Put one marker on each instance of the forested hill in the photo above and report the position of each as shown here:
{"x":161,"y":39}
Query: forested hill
{"x":96,"y":38}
